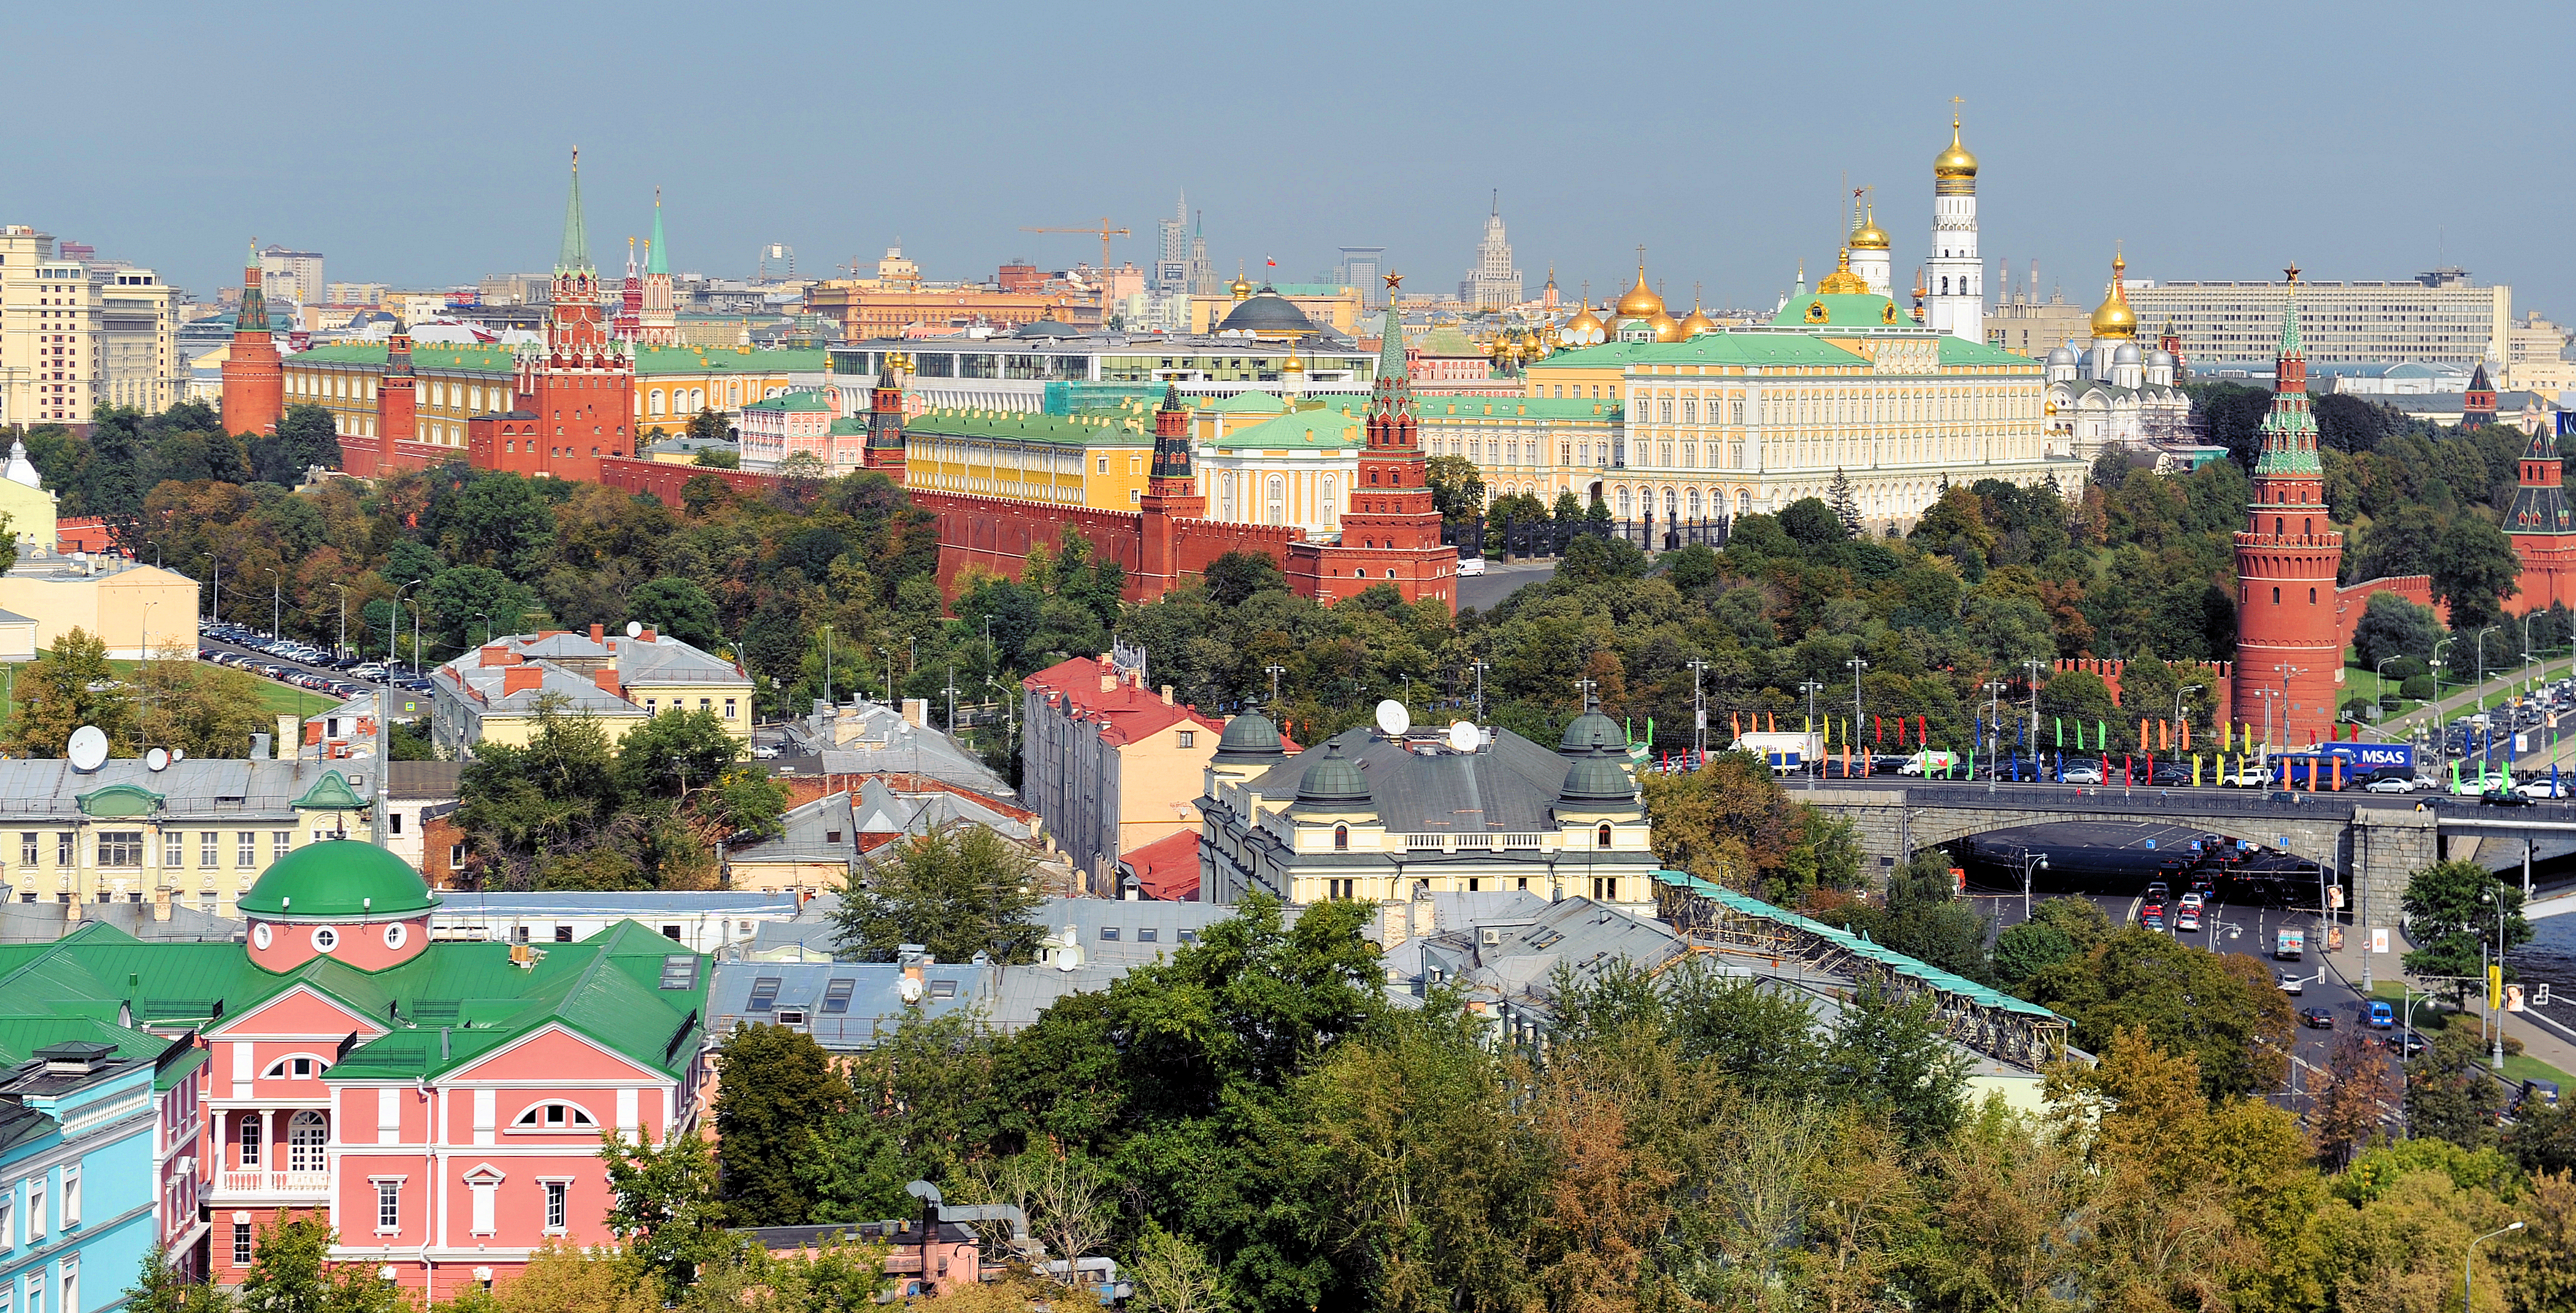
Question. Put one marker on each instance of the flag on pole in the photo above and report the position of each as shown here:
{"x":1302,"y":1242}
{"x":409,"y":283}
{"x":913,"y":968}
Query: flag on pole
{"x":2060,"y":722}
{"x":2186,"y":736}
{"x":2102,"y":735}
{"x":1922,"y":729}
{"x":1735,"y":719}
{"x":2226,"y":736}
{"x":1878,"y":729}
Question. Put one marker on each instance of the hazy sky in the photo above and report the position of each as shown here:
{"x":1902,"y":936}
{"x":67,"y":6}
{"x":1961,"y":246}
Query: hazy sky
{"x":423,"y":146}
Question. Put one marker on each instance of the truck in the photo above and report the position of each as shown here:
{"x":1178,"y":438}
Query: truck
{"x":1930,"y":761}
{"x":2290,"y":945}
{"x":1787,"y":751}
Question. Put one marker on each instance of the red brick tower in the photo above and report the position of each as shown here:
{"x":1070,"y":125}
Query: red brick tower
{"x":1171,"y":493}
{"x":1390,"y":533}
{"x":2478,"y":408}
{"x":2289,"y":648}
{"x":395,"y":417}
{"x":254,"y":381}
{"x":2170,"y":342}
{"x":580,"y":383}
{"x":2544,"y":532}
{"x":885,"y":422}
{"x":630,"y":307}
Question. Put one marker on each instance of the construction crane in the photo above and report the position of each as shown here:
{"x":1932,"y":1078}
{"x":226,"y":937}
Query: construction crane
{"x":1104,"y":231}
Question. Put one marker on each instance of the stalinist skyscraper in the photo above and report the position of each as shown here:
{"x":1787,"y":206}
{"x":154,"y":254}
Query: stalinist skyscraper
{"x":1493,"y":283}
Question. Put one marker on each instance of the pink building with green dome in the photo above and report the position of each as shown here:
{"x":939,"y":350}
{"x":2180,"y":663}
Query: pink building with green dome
{"x":441,"y":1104}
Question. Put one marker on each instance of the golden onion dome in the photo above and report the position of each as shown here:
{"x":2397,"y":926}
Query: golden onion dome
{"x":1241,"y":288}
{"x":1868,"y":236}
{"x":1667,"y":328}
{"x":1641,"y":301}
{"x":1697,"y":322}
{"x":1585,"y":327}
{"x":2114,"y":318}
{"x":1956,"y":162}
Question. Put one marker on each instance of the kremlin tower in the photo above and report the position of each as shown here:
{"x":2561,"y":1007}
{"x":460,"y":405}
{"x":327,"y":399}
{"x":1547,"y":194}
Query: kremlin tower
{"x":396,"y":413}
{"x":885,"y":419}
{"x":254,"y":381}
{"x":1391,"y":533}
{"x":2289,"y":641}
{"x":2478,"y":408}
{"x":579,"y":384}
{"x":658,"y":324}
{"x":1171,"y":492}
{"x":2544,"y":533}
{"x":630,"y":304}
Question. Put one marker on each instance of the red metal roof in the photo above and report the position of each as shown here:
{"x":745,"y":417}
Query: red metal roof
{"x":1125,"y":712}
{"x":1167,"y":870}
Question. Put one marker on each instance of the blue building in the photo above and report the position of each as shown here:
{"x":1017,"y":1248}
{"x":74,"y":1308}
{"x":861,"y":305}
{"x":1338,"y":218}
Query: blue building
{"x":79,"y":1204}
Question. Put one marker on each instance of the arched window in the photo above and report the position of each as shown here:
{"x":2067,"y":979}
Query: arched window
{"x":2312,"y":597}
{"x":1341,"y":838}
{"x":1743,"y":501}
{"x":554,"y":1115}
{"x":1278,"y":499}
{"x":1669,"y":512}
{"x":1603,"y":835}
{"x":1626,"y":507}
{"x":298,"y":1066}
{"x":2276,"y":526}
{"x":305,"y":1139}
{"x":2276,"y":597}
{"x":1694,"y":503}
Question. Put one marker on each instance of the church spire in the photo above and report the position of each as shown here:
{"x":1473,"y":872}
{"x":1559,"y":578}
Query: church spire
{"x":575,"y":255}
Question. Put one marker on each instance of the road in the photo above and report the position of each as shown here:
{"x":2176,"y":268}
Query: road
{"x":1486,"y":591}
{"x":2110,"y":863}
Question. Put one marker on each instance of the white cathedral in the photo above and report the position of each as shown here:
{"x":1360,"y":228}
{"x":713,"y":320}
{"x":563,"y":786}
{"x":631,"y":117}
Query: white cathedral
{"x":2115,"y":392}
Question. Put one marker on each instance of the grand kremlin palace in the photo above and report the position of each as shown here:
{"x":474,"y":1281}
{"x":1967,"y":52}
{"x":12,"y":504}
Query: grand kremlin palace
{"x":456,"y":383}
{"x":1751,"y":419}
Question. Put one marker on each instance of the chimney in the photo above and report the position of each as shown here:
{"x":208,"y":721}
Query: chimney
{"x":259,"y":747}
{"x":916,"y":712}
{"x":607,"y":681}
{"x":1108,"y":677}
{"x":496,"y":655}
{"x":1393,"y":923}
{"x":161,"y":903}
{"x":521,"y":679}
{"x":647,"y":636}
{"x":288,"y":733}
{"x":1167,"y":695}
{"x":599,"y":633}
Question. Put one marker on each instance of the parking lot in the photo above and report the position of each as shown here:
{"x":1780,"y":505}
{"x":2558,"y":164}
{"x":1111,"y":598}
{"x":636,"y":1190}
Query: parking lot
{"x":299,"y":665}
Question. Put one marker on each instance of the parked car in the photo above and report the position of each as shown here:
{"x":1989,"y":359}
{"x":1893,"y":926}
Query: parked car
{"x":2245,"y":779}
{"x":2187,"y":919}
{"x":2083,"y":775}
{"x":2382,"y":1016}
{"x":2291,"y":984}
{"x":2390,"y":784}
{"x":1470,"y":566}
{"x":2316,"y":1018}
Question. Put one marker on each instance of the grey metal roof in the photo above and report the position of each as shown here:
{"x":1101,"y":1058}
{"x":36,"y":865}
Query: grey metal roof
{"x":199,"y":787}
{"x":642,"y":905}
{"x":855,"y":1017}
{"x":423,"y":779}
{"x":1423,"y":787}
{"x":43,"y":923}
{"x":1521,"y":962}
{"x":823,"y":830}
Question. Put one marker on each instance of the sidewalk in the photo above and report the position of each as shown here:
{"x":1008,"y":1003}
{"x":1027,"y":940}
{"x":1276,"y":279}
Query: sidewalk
{"x":2553,"y":1046}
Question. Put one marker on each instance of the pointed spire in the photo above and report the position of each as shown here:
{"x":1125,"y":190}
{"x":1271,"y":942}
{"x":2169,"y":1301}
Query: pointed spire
{"x":575,"y":254}
{"x":254,"y":303}
{"x":1390,"y":350}
{"x":657,"y":259}
{"x":2289,"y":315}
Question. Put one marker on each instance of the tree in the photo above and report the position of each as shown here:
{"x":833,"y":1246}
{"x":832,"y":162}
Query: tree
{"x":2474,"y":566}
{"x":1172,"y":1274}
{"x":2222,"y":1010}
{"x":1457,"y":488}
{"x":306,"y":436}
{"x":956,"y":892}
{"x":2391,"y":626}
{"x":678,"y":607}
{"x":290,"y":1272}
{"x":663,"y":1206}
{"x":159,"y":1288}
{"x":715,"y":459}
{"x":470,"y":602}
{"x":1925,"y":919}
{"x":66,"y":688}
{"x":2451,"y":914}
{"x":709,"y":426}
{"x":2448,"y":1094}
{"x":1811,"y":524}
{"x":204,"y":710}
{"x":775,"y":1088}
{"x":1889,"y":1057}
{"x":1845,"y":503}
{"x":2347,"y":1114}
{"x":565,"y":1278}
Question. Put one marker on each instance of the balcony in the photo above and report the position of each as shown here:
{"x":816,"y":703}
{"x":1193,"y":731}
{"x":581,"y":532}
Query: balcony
{"x":255,"y":1181}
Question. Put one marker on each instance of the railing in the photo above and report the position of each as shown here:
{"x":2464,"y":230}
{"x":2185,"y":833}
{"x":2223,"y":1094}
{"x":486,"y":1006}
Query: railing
{"x":257,"y":1181}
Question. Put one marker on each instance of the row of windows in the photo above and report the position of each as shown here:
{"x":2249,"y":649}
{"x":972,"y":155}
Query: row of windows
{"x":652,"y":706}
{"x":124,"y":848}
{"x":40,"y":1222}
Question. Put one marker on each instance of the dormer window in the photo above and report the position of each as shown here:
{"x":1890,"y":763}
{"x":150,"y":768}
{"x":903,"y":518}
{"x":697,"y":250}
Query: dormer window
{"x":298,"y":1066}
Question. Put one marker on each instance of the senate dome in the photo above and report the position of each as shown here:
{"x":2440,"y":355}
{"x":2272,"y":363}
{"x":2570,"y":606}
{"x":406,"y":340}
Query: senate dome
{"x":2114,"y":318}
{"x":1267,"y":314}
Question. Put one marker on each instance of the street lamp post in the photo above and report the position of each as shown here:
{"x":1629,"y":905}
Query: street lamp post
{"x":1858,"y":668}
{"x":827,"y":666}
{"x":1480,"y":668}
{"x":276,"y":603}
{"x":2468,"y":1264}
{"x":340,"y":650}
{"x":215,"y":607}
{"x":2495,"y":1004}
{"x":2032,"y":667}
{"x":1699,"y":709}
{"x":393,"y":631}
{"x":486,"y":618}
{"x":1811,"y":688}
{"x":2029,"y":861}
{"x":1994,"y":704}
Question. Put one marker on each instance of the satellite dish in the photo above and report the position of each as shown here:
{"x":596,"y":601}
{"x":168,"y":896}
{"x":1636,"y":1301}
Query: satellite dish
{"x":178,"y":754}
{"x":1463,"y":736}
{"x":157,"y":759}
{"x":1392,"y":719}
{"x":87,"y":749}
{"x":634,"y":629}
{"x":909,"y":990}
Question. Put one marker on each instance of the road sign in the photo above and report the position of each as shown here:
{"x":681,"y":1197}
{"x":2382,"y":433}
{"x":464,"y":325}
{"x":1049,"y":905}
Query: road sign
{"x":2151,"y":843}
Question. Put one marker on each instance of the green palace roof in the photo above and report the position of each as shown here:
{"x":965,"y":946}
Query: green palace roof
{"x":1088,"y":430}
{"x":1430,"y":410}
{"x":729,"y":360}
{"x":1328,"y":427}
{"x":1961,"y":351}
{"x":339,"y":879}
{"x":434,"y":356}
{"x":1246,"y":403}
{"x":1840,"y":310}
{"x":802,"y":402}
{"x":626,"y":988}
{"x":1763,"y":349}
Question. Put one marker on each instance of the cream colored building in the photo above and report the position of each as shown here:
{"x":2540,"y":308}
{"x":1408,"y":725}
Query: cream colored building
{"x":495,"y":693}
{"x":25,"y":500}
{"x":135,"y":609}
{"x":1108,"y":765}
{"x":77,"y":335}
{"x":196,"y":834}
{"x":2439,"y":319}
{"x":2535,"y":362}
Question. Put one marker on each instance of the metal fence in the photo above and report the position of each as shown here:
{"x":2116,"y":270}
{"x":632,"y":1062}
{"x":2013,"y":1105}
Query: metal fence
{"x":1547,"y":537}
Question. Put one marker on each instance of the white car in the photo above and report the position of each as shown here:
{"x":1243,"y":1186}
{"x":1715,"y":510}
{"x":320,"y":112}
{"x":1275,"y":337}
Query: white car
{"x":2543,"y":788}
{"x":2391,"y":784}
{"x":2291,"y":984}
{"x":2083,"y":775}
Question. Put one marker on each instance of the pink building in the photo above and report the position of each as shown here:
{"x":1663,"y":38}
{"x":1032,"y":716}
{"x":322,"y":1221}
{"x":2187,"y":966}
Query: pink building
{"x":776,"y":428}
{"x":440,"y":1104}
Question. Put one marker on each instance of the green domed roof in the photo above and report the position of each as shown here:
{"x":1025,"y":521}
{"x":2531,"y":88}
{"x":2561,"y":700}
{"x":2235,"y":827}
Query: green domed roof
{"x":1250,"y":735}
{"x":1596,"y":778}
{"x":339,"y":879}
{"x":1593,"y":730}
{"x":1332,"y":779}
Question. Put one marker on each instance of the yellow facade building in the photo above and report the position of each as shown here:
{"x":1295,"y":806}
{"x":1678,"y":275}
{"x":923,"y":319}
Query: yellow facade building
{"x":1098,"y":461}
{"x":197,"y":833}
{"x":136,"y":610}
{"x":498,"y":692}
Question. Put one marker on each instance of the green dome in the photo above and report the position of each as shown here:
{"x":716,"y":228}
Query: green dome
{"x":1250,"y":735}
{"x":1593,"y":730}
{"x":339,"y":879}
{"x":1332,"y":779}
{"x":1595,"y":778}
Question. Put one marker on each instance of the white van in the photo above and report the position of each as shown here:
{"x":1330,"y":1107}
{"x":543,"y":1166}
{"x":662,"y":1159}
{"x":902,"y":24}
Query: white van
{"x":1470,"y":566}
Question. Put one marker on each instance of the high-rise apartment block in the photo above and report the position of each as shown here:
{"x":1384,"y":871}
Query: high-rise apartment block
{"x":2436,"y":318}
{"x":292,"y":277}
{"x":76,"y":334}
{"x":1361,"y":268}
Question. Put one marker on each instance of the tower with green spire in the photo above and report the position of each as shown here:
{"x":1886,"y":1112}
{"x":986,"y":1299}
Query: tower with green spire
{"x":657,"y":324}
{"x":2289,"y":634}
{"x":254,"y":303}
{"x":574,"y":257}
{"x":254,"y":377}
{"x":578,"y":385}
